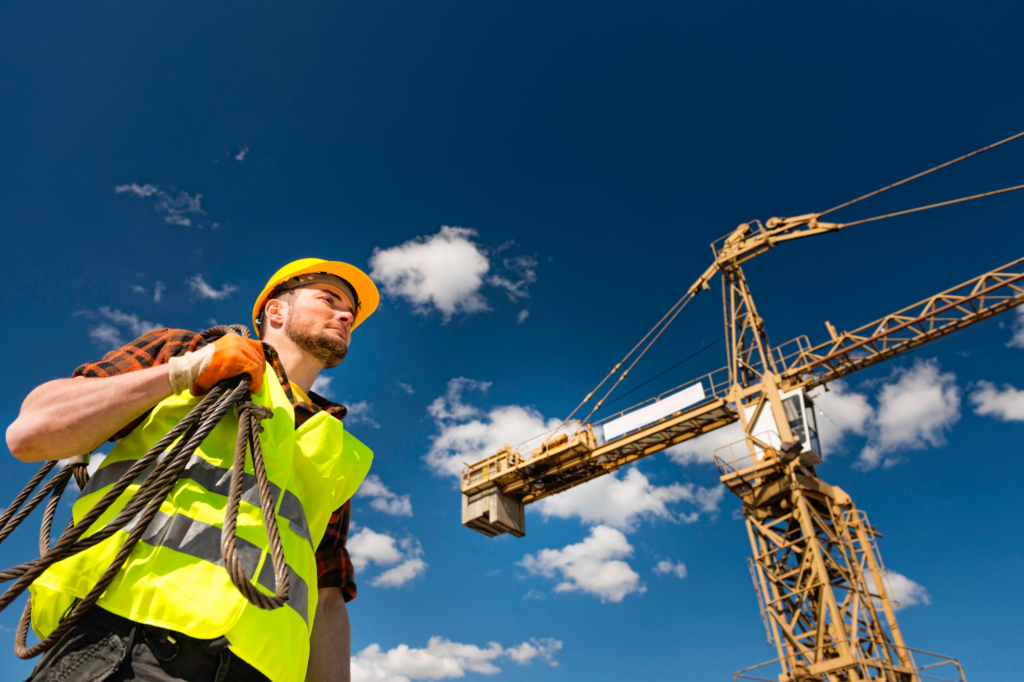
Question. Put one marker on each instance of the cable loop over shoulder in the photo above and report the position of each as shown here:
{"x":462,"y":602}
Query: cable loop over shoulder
{"x":162,"y":466}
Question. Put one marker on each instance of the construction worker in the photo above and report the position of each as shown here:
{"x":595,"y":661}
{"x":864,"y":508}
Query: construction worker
{"x":172,"y":613}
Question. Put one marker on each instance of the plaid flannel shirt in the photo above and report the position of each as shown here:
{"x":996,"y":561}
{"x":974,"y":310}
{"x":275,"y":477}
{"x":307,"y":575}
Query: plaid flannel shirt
{"x":333,"y":564}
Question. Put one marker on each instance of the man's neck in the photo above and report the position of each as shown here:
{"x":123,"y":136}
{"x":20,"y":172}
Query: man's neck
{"x":302,"y":370}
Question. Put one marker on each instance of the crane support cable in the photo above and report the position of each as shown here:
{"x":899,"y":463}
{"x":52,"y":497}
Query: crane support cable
{"x":925,"y":208}
{"x":681,"y":302}
{"x":666,"y":371}
{"x":679,"y":308}
{"x":920,"y":175}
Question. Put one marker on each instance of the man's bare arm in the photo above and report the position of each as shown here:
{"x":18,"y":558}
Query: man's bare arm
{"x":68,"y":417}
{"x":330,"y":645}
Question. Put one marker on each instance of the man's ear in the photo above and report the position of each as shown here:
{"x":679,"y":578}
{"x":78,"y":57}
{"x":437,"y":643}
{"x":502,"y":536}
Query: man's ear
{"x":274,"y":311}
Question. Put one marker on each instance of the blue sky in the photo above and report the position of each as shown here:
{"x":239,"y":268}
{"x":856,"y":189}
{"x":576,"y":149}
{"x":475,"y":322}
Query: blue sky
{"x":557,"y":170}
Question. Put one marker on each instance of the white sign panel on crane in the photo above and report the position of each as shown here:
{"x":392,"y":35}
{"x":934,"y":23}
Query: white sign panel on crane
{"x":653,"y":412}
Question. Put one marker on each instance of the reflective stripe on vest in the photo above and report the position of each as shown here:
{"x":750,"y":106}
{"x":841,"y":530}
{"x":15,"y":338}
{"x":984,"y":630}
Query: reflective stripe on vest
{"x":216,"y":480}
{"x":174,"y":578}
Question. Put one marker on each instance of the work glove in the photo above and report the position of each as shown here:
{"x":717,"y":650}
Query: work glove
{"x":228,"y":356}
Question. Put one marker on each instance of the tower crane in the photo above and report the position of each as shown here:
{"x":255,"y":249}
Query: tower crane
{"x":817,"y":571}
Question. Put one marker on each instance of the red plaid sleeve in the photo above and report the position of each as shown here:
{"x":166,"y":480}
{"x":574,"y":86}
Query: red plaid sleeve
{"x":149,"y":350}
{"x":333,"y":564}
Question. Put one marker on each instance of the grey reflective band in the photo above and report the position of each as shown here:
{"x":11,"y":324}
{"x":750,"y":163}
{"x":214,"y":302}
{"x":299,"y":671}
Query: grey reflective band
{"x":216,"y":480}
{"x":202,"y":541}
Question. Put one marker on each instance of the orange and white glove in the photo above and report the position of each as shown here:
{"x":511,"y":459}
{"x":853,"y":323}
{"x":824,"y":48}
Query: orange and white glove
{"x":228,"y":356}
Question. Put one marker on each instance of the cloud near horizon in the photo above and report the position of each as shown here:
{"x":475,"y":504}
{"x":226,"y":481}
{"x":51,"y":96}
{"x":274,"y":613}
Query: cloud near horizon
{"x":443,"y":659}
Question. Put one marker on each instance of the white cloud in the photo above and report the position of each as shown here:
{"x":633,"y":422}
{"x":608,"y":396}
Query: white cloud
{"x":1017,"y":326}
{"x":467,"y":434}
{"x":915,"y":408}
{"x":701,"y":450}
{"x":139,"y":289}
{"x":1006,"y":404}
{"x":443,"y":659}
{"x":137,"y":190}
{"x":158,"y":292}
{"x":841,"y":412}
{"x":240,"y":156}
{"x":177,"y":208}
{"x":623,"y":503}
{"x":523,"y":268}
{"x":913,"y":412}
{"x":904,"y":591}
{"x":383,"y":550}
{"x":108,"y":335}
{"x":521,"y":317}
{"x":135,"y":325}
{"x":443,"y":271}
{"x":322,"y":386}
{"x":361,"y":412}
{"x":666,"y":567}
{"x":413,"y":567}
{"x":384,"y":500}
{"x":406,"y":387}
{"x":593,"y":566}
{"x":200,"y":288}
{"x":366,"y":547}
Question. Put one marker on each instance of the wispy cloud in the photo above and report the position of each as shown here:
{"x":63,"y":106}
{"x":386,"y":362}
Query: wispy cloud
{"x":361,"y":412}
{"x":107,"y":334}
{"x":666,"y":567}
{"x":158,"y":291}
{"x":406,"y":387}
{"x":240,"y":156}
{"x":521,"y":317}
{"x":200,"y":288}
{"x":523,"y":268}
{"x":179,"y":209}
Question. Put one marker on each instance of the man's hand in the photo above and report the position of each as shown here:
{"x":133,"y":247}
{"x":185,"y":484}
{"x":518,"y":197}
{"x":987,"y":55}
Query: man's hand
{"x":330,"y":645}
{"x":228,"y":356}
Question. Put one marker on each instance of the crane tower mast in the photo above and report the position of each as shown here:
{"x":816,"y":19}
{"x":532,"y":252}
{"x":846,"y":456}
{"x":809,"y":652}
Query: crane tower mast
{"x":816,"y":568}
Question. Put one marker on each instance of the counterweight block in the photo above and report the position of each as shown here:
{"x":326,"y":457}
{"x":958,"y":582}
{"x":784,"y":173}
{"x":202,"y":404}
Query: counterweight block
{"x":492,"y":513}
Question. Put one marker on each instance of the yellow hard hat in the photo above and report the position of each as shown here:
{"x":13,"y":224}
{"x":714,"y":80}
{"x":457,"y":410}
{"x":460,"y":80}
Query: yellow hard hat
{"x":367,"y":296}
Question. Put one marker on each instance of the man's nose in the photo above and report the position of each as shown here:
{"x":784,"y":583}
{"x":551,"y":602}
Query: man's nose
{"x":345,"y":317}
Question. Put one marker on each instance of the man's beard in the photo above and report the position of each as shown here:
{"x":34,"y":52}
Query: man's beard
{"x":328,"y":350}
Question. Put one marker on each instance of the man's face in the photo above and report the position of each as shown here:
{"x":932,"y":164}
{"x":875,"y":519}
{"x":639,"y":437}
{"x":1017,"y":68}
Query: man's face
{"x":319,"y":320}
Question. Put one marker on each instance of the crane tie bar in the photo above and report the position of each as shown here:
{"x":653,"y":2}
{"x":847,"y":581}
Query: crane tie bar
{"x":168,"y":459}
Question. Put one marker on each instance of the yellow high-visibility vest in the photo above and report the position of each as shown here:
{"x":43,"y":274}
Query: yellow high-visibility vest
{"x":174,"y":577}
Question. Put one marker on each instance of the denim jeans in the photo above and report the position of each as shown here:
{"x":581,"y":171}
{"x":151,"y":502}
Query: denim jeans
{"x":104,"y":647}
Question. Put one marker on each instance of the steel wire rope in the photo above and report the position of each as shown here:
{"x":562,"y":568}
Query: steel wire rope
{"x":626,"y":357}
{"x":662,"y":373}
{"x":685,"y":300}
{"x":930,"y":206}
{"x":183,"y":439}
{"x":922,"y":174}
